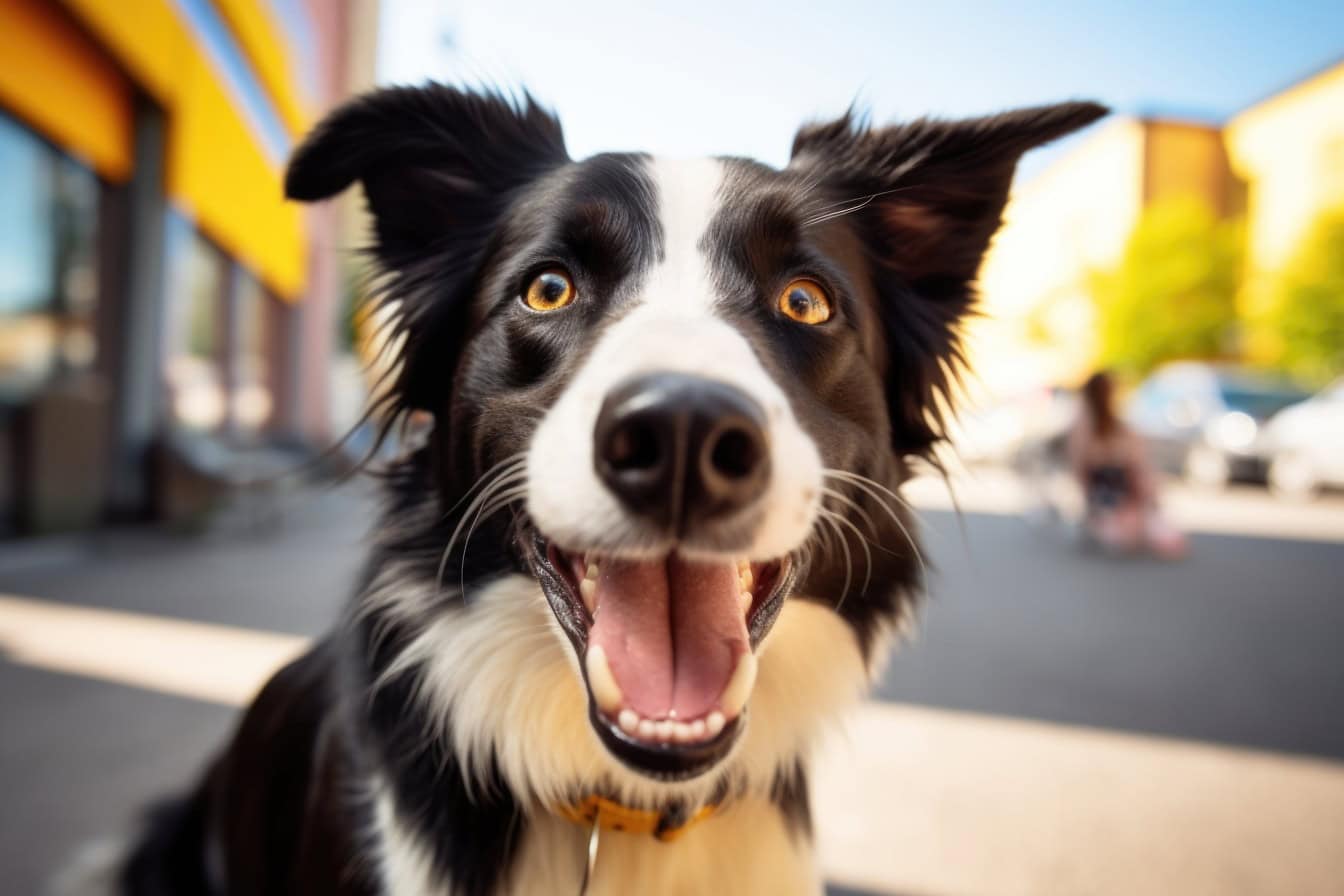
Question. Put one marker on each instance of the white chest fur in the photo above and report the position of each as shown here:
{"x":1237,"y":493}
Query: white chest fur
{"x":508,"y":682}
{"x":744,"y":850}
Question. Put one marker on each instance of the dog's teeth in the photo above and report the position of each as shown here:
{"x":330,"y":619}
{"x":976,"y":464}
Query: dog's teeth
{"x":697,"y":729}
{"x":629,"y":721}
{"x":746,"y":578}
{"x":646,"y":729}
{"x":735,"y":696}
{"x":666,"y":729}
{"x":606,"y":692}
{"x":714,"y":723}
{"x":682,"y":733}
{"x":592,"y":570}
{"x":588,"y":590}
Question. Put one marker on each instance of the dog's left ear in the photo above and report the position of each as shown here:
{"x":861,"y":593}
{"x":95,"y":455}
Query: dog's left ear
{"x":925,"y":198}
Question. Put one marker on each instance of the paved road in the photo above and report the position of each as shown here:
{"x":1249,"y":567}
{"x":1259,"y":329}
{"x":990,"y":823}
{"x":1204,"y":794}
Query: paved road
{"x":1242,"y":643}
{"x":1239,"y":645}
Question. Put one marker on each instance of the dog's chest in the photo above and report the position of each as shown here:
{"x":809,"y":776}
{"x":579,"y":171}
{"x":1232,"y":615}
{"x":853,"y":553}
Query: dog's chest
{"x":747,"y":849}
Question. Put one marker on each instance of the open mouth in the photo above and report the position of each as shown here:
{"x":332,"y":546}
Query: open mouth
{"x":667,"y":646}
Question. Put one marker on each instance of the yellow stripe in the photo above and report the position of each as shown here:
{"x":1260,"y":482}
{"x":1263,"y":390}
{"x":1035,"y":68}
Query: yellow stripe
{"x":272,"y":60}
{"x":145,"y":35}
{"x":218,"y":172}
{"x":60,"y":84}
{"x":222,"y":178}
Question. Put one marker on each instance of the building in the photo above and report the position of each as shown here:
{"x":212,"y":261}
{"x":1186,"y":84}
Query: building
{"x":1075,"y":218}
{"x":159,"y":300}
{"x":1290,"y":149}
{"x":1279,"y":164}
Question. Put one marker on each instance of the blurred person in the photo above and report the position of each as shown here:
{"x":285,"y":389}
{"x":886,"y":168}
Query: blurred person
{"x":1121,"y":508}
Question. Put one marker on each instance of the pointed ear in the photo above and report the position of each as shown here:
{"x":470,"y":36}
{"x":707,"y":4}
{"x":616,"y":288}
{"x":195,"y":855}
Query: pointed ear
{"x":937,"y":188}
{"x":439,"y":167}
{"x":433,"y":160}
{"x":925,"y":198}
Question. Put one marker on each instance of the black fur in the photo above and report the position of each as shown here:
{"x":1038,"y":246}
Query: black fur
{"x":471,"y":195}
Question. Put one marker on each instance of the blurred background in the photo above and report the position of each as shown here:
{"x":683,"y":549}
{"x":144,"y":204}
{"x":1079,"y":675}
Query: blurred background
{"x":180,"y":349}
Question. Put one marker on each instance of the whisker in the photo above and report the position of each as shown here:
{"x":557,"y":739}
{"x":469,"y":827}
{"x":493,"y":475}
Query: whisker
{"x":501,"y":481}
{"x":499,"y":502}
{"x":863,"y":543}
{"x":850,"y":502}
{"x":853,"y":205}
{"x":510,"y":462}
{"x":871,"y":488}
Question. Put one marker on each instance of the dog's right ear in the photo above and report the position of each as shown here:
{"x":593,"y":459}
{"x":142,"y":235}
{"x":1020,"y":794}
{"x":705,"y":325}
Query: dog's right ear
{"x":439,"y":168}
{"x":436,"y":163}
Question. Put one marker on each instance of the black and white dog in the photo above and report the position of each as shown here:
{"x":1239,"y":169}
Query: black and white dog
{"x":652,"y":542}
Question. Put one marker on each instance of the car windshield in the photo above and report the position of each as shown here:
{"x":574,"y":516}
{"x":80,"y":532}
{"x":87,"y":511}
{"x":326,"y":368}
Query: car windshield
{"x":1259,"y":402}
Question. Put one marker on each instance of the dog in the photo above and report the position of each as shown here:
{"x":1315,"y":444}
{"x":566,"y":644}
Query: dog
{"x":651,"y":543}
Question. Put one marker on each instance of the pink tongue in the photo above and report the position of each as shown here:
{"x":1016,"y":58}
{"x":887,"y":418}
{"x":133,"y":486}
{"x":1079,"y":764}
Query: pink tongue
{"x":672,"y":630}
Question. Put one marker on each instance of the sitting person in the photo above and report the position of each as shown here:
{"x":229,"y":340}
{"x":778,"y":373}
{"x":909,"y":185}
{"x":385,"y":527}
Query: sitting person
{"x":1120,"y":490}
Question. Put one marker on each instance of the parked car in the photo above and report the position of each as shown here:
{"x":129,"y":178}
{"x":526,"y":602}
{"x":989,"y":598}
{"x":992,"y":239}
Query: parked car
{"x":1306,"y":445}
{"x":1207,"y":422}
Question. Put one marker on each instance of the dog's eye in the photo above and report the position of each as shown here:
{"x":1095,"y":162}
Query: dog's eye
{"x":806,"y":302}
{"x":550,"y":290}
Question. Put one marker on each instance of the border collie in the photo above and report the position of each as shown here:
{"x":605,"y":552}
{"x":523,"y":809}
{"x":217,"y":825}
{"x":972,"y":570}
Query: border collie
{"x":651,"y":542}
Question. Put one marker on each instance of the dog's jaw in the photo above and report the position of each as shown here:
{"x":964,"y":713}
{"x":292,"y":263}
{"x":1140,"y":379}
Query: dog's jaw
{"x":499,"y":681}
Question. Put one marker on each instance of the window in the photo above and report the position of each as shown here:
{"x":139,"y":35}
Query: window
{"x":195,"y":379}
{"x":48,"y":255}
{"x":251,"y":401}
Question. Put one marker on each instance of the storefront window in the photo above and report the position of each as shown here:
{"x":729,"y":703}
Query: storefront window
{"x":252,"y":402}
{"x":195,"y":378}
{"x":48,"y":274}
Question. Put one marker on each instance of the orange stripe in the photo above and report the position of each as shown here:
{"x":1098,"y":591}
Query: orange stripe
{"x":60,"y":83}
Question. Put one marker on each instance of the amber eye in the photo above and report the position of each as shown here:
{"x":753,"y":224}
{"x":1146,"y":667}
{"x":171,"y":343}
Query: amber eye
{"x":805,"y":301}
{"x":550,"y":290}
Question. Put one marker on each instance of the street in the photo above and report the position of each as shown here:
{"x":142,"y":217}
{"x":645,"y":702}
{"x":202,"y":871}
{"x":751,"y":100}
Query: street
{"x":1062,"y":722}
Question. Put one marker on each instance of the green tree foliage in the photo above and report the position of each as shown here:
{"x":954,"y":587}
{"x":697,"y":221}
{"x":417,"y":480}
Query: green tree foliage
{"x":1308,"y":316}
{"x":1173,"y":295}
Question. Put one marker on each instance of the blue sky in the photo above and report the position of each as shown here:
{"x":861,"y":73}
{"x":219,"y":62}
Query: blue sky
{"x":693,"y":78}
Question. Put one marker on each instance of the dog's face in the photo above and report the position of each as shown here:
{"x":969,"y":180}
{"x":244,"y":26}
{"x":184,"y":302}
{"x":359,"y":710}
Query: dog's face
{"x":695,"y":381}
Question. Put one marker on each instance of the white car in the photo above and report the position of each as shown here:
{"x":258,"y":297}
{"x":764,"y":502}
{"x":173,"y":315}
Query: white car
{"x":1307,"y":445}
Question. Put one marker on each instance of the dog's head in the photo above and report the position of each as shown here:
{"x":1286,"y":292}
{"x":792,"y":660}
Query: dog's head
{"x":695,"y":381}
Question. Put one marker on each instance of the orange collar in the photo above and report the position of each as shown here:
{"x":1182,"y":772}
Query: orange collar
{"x":612,"y":816}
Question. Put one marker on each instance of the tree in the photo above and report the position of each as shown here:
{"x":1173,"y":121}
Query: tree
{"x":1173,"y":294}
{"x":1308,"y":315}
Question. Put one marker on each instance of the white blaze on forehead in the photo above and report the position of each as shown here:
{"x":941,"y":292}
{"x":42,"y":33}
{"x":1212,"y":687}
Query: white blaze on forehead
{"x":688,"y":197}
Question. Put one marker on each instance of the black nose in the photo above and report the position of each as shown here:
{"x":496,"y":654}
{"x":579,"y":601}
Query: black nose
{"x":681,"y":450}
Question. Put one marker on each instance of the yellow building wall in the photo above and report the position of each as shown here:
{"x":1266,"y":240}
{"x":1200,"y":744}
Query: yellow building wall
{"x":1290,"y":148}
{"x":62,"y":85}
{"x":218,"y":173}
{"x":1182,"y":160}
{"x":1073,"y":218}
{"x":264,"y":43}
